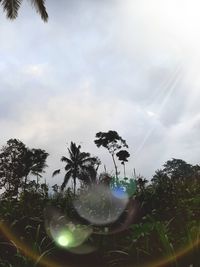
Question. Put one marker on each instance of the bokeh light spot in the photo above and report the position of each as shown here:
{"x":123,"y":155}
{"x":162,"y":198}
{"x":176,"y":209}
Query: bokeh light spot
{"x":64,"y":240}
{"x":65,"y":232}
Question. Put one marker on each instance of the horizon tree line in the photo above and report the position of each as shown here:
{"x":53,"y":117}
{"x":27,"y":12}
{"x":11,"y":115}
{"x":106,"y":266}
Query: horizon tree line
{"x":18,"y":164}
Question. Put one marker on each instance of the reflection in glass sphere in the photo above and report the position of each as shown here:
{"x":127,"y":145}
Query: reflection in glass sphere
{"x":99,"y":205}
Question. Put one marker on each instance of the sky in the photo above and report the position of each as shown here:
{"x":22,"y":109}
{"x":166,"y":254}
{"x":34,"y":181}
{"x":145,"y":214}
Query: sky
{"x":131,"y":66}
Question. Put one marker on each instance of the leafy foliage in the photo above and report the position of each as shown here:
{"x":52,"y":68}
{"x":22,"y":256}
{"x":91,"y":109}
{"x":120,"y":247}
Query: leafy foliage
{"x":147,"y":230}
{"x":17,"y":162}
{"x":11,"y":7}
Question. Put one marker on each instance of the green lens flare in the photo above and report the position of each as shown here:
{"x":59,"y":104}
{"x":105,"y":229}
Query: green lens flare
{"x":65,"y":239}
{"x":65,"y":232}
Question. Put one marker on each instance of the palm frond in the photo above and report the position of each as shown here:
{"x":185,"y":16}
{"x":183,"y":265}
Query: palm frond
{"x":11,"y":7}
{"x":56,"y":172}
{"x":66,"y":179}
{"x":75,"y":150}
{"x":70,"y":153}
{"x":67,"y":160}
{"x":68,"y":167}
{"x":36,"y":174}
{"x":41,"y":9}
{"x":84,"y":155}
{"x":90,"y":160}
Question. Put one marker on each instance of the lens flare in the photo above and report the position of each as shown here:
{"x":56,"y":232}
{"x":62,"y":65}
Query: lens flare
{"x":123,"y":188}
{"x":27,"y":250}
{"x":129,"y":217}
{"x":99,"y":206}
{"x":63,"y":231}
{"x":119,"y":192}
{"x":64,"y":239}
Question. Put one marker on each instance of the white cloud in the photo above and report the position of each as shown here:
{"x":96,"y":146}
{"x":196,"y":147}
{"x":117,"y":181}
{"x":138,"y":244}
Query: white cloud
{"x":131,"y":66}
{"x":36,"y":70}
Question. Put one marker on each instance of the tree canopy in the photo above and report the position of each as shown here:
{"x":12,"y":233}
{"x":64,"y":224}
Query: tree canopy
{"x":17,"y":162}
{"x":113,"y":142}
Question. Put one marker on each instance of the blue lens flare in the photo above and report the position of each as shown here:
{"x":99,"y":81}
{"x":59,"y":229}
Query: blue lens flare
{"x":119,"y":192}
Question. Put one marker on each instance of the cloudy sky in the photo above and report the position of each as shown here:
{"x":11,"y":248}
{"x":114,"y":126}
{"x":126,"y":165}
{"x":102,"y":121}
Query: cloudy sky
{"x":130,"y":66}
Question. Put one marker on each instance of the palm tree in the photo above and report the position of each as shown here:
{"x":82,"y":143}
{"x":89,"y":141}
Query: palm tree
{"x":11,"y":7}
{"x":79,"y":165}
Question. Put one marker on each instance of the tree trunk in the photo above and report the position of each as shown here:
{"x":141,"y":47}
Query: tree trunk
{"x":74,"y":186}
{"x":25,"y":182}
{"x":37,"y":183}
{"x":124,"y":171}
{"x":115,"y":165}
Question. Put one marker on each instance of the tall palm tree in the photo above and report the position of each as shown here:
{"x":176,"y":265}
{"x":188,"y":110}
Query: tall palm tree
{"x":11,"y":7}
{"x":79,"y":165}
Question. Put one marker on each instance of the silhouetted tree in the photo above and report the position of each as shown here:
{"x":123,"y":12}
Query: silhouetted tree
{"x":178,"y":169}
{"x":79,"y":165}
{"x":160,"y":178}
{"x":11,"y":7}
{"x":12,"y":166}
{"x":34,"y":163}
{"x":111,"y":141}
{"x":141,"y":182}
{"x":17,"y":162}
{"x":123,"y":156}
{"x":163,"y":185}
